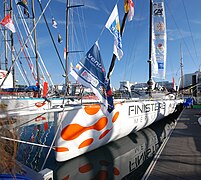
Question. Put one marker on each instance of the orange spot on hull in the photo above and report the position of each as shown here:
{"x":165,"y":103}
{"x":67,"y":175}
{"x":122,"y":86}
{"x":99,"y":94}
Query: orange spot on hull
{"x":86,"y":168}
{"x":45,"y":126}
{"x":61,"y":149}
{"x":92,"y":109}
{"x":39,"y":104}
{"x":116,"y":171}
{"x":66,"y":178}
{"x":102,"y":174}
{"x":115,"y":117}
{"x":104,"y":133}
{"x":118,"y":103}
{"x":40,"y":118}
{"x":86,"y":143}
{"x":72,"y":131}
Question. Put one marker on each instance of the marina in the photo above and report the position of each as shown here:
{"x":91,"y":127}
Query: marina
{"x":86,"y":128}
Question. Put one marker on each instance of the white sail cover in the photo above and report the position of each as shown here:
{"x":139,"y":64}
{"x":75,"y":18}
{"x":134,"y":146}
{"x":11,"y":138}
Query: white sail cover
{"x":159,"y":40}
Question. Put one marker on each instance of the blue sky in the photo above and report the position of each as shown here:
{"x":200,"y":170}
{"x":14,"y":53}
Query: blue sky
{"x":87,"y":25}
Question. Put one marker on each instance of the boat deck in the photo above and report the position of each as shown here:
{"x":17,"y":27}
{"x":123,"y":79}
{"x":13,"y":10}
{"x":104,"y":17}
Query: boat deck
{"x":180,"y":156}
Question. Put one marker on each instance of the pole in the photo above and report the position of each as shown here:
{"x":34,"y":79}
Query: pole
{"x":36,"y":50}
{"x":12,"y":44}
{"x":51,"y":36}
{"x":150,"y":81}
{"x":5,"y":40}
{"x":67,"y":11}
{"x":182,"y":73}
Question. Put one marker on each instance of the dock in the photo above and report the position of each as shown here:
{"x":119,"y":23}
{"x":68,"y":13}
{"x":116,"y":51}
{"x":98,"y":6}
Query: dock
{"x":180,"y":156}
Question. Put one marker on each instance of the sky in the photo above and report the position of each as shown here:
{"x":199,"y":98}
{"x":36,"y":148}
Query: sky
{"x":86,"y":26}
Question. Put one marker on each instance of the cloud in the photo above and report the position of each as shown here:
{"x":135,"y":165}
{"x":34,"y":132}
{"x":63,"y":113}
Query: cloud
{"x":196,"y":22}
{"x":175,"y":34}
{"x":86,"y":3}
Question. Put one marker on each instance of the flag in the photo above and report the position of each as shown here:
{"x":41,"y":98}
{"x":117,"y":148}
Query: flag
{"x":23,"y":3}
{"x":129,"y":8}
{"x":113,"y":26}
{"x":109,"y":96}
{"x":64,"y":53}
{"x":90,"y":72}
{"x":159,"y":41}
{"x":59,"y":38}
{"x":7,"y":22}
{"x":54,"y":23}
{"x":173,"y":84}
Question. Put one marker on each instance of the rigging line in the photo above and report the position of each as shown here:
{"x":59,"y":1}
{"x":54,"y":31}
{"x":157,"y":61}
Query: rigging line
{"x":8,"y":45}
{"x":57,"y":131}
{"x":29,"y":60}
{"x":180,"y":34}
{"x":33,"y":50}
{"x":21,"y":49}
{"x":75,"y":33}
{"x":29,"y":121}
{"x":30,"y":64}
{"x":27,"y":31}
{"x":23,"y":76}
{"x":85,"y":39}
{"x":51,"y":36}
{"x":190,"y":30}
{"x":25,"y":142}
{"x":135,"y":43}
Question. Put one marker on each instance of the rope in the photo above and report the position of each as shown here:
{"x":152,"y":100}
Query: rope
{"x":27,"y":31}
{"x":190,"y":31}
{"x":57,"y":131}
{"x":21,"y":49}
{"x":25,"y":142}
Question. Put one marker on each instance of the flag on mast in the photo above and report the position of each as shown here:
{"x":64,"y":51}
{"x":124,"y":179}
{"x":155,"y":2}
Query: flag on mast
{"x":113,"y":26}
{"x":129,"y":8}
{"x":24,"y":4}
{"x":54,"y":23}
{"x":90,"y":72}
{"x":7,"y":22}
{"x":159,"y":40}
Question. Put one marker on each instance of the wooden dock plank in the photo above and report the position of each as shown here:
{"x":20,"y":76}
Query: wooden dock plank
{"x":181,"y":156}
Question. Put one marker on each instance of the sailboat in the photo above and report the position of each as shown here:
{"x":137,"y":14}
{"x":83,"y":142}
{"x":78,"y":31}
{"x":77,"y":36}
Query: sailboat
{"x":18,"y":103}
{"x":85,"y":127}
{"x":126,"y":157}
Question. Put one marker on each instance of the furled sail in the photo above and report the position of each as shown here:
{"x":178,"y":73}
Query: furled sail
{"x":159,"y":40}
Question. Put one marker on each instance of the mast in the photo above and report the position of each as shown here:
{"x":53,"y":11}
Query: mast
{"x":36,"y":50}
{"x":150,"y":81}
{"x":12,"y":45}
{"x":181,"y":65}
{"x":5,"y":41}
{"x":67,"y":11}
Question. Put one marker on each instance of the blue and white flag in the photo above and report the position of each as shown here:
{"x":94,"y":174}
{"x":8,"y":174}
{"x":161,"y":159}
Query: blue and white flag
{"x":159,"y":40}
{"x":54,"y":23}
{"x":90,"y":72}
{"x":113,"y":26}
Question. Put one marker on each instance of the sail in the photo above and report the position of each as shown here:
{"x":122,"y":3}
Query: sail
{"x":159,"y":40}
{"x":90,"y":72}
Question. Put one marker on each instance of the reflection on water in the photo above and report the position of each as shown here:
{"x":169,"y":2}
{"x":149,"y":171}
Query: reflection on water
{"x":126,"y":158}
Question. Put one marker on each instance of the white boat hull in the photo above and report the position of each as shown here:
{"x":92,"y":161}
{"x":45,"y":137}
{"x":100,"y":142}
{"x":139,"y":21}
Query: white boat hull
{"x":86,"y":127}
